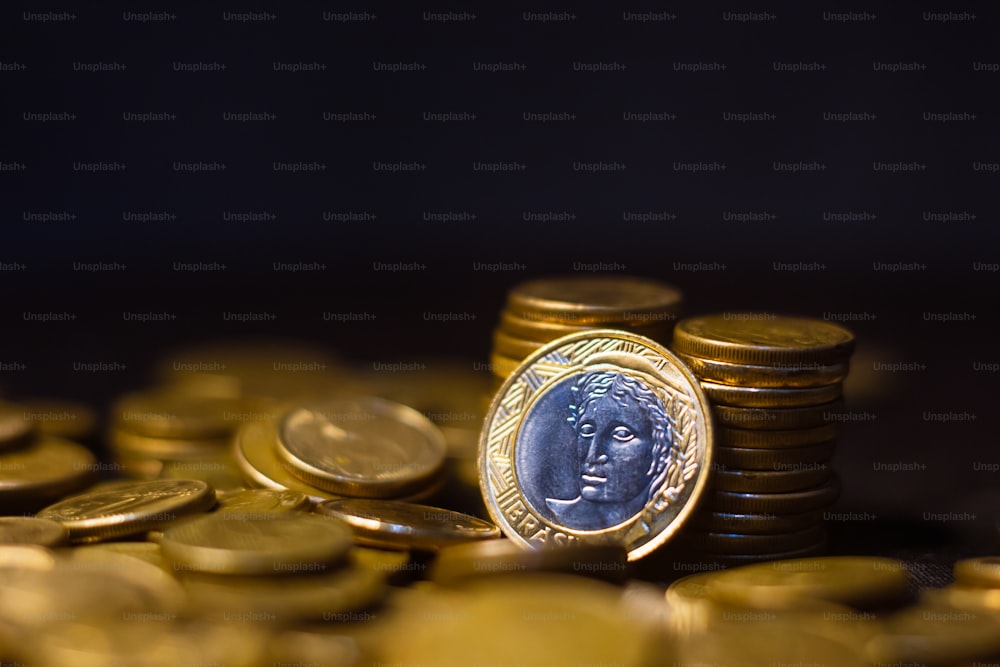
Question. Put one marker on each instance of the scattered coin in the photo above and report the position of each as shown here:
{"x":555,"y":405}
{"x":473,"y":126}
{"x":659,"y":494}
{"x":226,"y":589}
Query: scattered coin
{"x":32,"y":530}
{"x":47,"y":469}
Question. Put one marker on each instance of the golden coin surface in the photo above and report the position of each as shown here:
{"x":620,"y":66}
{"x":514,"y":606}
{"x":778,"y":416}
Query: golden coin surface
{"x":728,"y":522}
{"x":128,"y":444}
{"x":593,"y":300}
{"x":852,"y":580}
{"x":249,"y":502}
{"x":130,"y":508}
{"x":806,"y":500}
{"x":602,"y":437}
{"x":64,"y":419}
{"x":32,"y":530}
{"x":771,"y":481}
{"x":399,"y":525}
{"x":45,"y":470}
{"x":931,"y":635}
{"x":278,"y":543}
{"x":764,"y":397}
{"x":778,"y":419}
{"x":763,"y":339}
{"x":15,"y":428}
{"x":982,"y":571}
{"x":779,"y":376}
{"x":737,"y":437}
{"x":163,"y":413}
{"x":366,"y":447}
{"x":771,"y":642}
{"x":961,"y":596}
{"x":788,"y":458}
{"x":145,"y":551}
{"x":512,"y":346}
{"x":750,"y":544}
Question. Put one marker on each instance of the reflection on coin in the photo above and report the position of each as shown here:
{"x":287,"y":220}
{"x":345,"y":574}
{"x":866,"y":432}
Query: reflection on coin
{"x":251,"y":501}
{"x":367,"y":447}
{"x":735,"y":437}
{"x":47,"y":469}
{"x":254,"y":449}
{"x":771,"y":481}
{"x":129,"y":509}
{"x":785,"y":375}
{"x":789,"y":458}
{"x":31,"y":530}
{"x":275,"y":543}
{"x":763,"y":339}
{"x":727,"y":522}
{"x":61,"y":418}
{"x":459,"y":563}
{"x":398,"y":525}
{"x":595,"y":300}
{"x":15,"y":429}
{"x":764,"y":397}
{"x":601,"y":437}
{"x":852,"y":580}
{"x":777,"y":419}
{"x":790,"y":502}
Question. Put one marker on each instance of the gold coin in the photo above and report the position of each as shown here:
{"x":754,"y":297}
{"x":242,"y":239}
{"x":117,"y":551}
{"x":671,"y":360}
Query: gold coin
{"x":26,"y":557}
{"x":763,"y":339}
{"x":543,"y":331}
{"x":719,"y":562}
{"x":789,"y":458}
{"x":736,"y":437}
{"x":502,"y":366}
{"x":510,"y":346}
{"x":983,"y":571}
{"x":220,"y":472}
{"x":398,"y":525}
{"x":769,"y":397}
{"x":250,"y":502}
{"x":129,"y":509}
{"x":931,"y":635}
{"x":806,"y":500}
{"x":852,"y":580}
{"x":771,"y":481}
{"x":460,"y":563}
{"x":367,"y":447}
{"x":128,"y":444}
{"x":768,"y":641}
{"x":47,"y":469}
{"x":148,"y":552}
{"x":164,"y":413}
{"x":959,"y":596}
{"x":31,"y":530}
{"x":778,"y":376}
{"x":15,"y":429}
{"x":595,"y":300}
{"x":61,"y":418}
{"x":728,"y":522}
{"x":751,"y":545}
{"x":777,"y":419}
{"x":275,"y":543}
{"x":601,"y":437}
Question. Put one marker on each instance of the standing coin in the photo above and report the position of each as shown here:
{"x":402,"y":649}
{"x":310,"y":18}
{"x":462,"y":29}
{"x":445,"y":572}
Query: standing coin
{"x":600,"y":437}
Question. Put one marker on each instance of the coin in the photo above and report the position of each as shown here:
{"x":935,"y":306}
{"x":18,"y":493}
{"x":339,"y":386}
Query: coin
{"x":133,"y":445}
{"x":726,"y":522}
{"x":594,"y":300}
{"x":31,"y":530}
{"x":771,"y":481}
{"x":750,"y":545}
{"x":789,"y":458}
{"x":254,"y":449}
{"x":961,"y":596}
{"x":735,"y":437}
{"x":144,"y":551}
{"x":511,"y":346}
{"x":777,"y":419}
{"x":15,"y":429}
{"x":26,"y":557}
{"x":930,"y":635}
{"x":129,"y":509}
{"x":61,"y":418}
{"x":503,"y":366}
{"x":47,"y":469}
{"x":763,"y":339}
{"x":777,"y":376}
{"x":767,"y":642}
{"x":543,"y":331}
{"x":275,"y":543}
{"x":460,"y":563}
{"x":852,"y":580}
{"x":983,"y":571}
{"x":398,"y":525}
{"x":367,"y":447}
{"x":770,"y":397}
{"x":164,"y":413}
{"x":600,"y":437}
{"x":249,"y":502}
{"x":806,"y":500}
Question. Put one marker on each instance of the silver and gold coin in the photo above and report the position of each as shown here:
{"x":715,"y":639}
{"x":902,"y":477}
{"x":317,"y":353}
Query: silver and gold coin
{"x":601,"y":437}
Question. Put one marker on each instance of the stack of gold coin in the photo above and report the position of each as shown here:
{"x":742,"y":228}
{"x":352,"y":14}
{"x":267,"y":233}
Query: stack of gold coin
{"x":540,"y":311}
{"x":775,"y":386}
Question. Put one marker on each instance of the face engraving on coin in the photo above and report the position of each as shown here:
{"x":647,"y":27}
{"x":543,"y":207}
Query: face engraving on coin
{"x":601,"y":437}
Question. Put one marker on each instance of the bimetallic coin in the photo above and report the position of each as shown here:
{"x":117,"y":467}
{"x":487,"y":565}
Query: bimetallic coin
{"x":747,"y":544}
{"x":129,"y":509}
{"x":771,"y":481}
{"x":789,"y":458}
{"x":15,"y":429}
{"x":47,"y":469}
{"x":368,"y":447}
{"x":277,"y":543}
{"x":763,"y":339}
{"x":63,"y":419}
{"x":601,"y":437}
{"x":807,"y":500}
{"x":397,"y":525}
{"x":596,"y":300}
{"x":755,"y":524}
{"x":736,"y":437}
{"x":765,"y":397}
{"x":778,"y":376}
{"x":777,"y":419}
{"x":32,"y":530}
{"x":984,"y":571}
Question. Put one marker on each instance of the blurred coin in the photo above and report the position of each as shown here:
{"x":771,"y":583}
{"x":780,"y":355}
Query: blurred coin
{"x":133,"y":445}
{"x":962,"y":596}
{"x":511,"y":346}
{"x":27,"y":557}
{"x":930,"y":635}
{"x":129,"y":509}
{"x":769,"y":397}
{"x":778,"y":376}
{"x":163,"y":413}
{"x":789,"y":458}
{"x":777,"y":419}
{"x":503,"y":366}
{"x":219,"y":471}
{"x":15,"y":429}
{"x":255,"y":450}
{"x":600,"y":437}
{"x":853,"y":580}
{"x":148,"y":552}
{"x":367,"y":447}
{"x":982,"y":571}
{"x":398,"y":525}
{"x":740,"y":544}
{"x":47,"y":469}
{"x":735,"y":437}
{"x":61,"y":418}
{"x":31,"y":530}
{"x":595,"y":300}
{"x":544,"y":331}
{"x":763,"y":339}
{"x":771,"y":481}
{"x":817,"y":498}
{"x":727,"y":522}
{"x":790,"y":642}
{"x":277,"y":543}
{"x":251,"y":501}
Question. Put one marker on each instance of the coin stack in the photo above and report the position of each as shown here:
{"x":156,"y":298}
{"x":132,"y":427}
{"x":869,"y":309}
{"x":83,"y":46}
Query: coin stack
{"x":774,"y":384}
{"x":540,"y":311}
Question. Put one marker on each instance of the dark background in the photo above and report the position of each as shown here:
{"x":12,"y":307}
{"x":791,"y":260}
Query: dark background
{"x":897,"y":414}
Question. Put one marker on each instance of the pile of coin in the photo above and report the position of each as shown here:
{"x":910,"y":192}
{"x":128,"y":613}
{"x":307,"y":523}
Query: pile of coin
{"x":540,"y":311}
{"x":775,"y":385}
